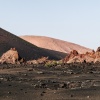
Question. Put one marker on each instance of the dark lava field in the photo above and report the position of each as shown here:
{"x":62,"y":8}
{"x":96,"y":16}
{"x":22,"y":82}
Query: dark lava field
{"x":62,"y":82}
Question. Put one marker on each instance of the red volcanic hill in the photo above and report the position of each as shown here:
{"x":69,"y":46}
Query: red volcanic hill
{"x":55,"y":44}
{"x":25,"y":49}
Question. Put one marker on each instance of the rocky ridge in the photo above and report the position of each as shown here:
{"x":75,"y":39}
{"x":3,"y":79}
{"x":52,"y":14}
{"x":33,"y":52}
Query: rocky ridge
{"x":88,"y":57}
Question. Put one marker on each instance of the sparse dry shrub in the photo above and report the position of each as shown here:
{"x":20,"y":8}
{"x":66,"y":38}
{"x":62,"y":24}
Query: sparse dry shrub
{"x":53,"y":63}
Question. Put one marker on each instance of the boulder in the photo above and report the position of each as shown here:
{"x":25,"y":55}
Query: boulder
{"x":11,"y":56}
{"x":98,"y":49}
{"x":97,"y":55}
{"x":88,"y":59}
{"x":75,"y":59}
{"x":70,"y":56}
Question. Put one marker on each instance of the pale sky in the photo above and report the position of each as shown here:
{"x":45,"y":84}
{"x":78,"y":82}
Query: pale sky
{"x":76,"y":21}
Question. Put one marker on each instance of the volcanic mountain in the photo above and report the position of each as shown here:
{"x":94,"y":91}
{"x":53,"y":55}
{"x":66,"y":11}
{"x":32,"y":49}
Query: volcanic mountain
{"x":55,"y":44}
{"x":26,"y":50}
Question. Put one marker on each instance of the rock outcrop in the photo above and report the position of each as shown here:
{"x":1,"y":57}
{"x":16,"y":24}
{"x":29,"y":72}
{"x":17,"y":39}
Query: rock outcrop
{"x":11,"y":56}
{"x":88,"y":57}
{"x":41,"y":60}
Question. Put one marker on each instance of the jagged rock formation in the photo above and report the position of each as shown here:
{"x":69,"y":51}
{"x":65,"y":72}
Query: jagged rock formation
{"x":11,"y":56}
{"x":98,"y":49}
{"x":38,"y":61}
{"x":88,"y":57}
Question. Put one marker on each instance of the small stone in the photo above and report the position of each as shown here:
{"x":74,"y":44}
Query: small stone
{"x":88,"y":96}
{"x":9,"y":85}
{"x":54,"y":92}
{"x":25,"y":92}
{"x":42,"y":85}
{"x":35,"y":85}
{"x":40,"y":72}
{"x":9,"y":92}
{"x":1,"y":78}
{"x":21,"y":89}
{"x":25,"y":74}
{"x":41,"y":94}
{"x":32,"y":84}
{"x":31,"y":69}
{"x":71,"y":95}
{"x":62,"y":85}
{"x":20,"y":81}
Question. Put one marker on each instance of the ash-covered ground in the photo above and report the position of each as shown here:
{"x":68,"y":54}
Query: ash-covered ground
{"x":62,"y":82}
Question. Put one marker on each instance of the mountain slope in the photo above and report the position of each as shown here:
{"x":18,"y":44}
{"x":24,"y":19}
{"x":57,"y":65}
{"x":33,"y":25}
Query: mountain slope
{"x":25,"y":49}
{"x":54,"y":44}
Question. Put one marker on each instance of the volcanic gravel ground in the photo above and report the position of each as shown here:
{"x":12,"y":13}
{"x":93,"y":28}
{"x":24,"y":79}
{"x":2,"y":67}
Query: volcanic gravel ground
{"x":62,"y":82}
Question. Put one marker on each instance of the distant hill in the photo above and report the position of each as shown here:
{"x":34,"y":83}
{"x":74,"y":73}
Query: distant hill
{"x":25,"y":49}
{"x":55,"y":44}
